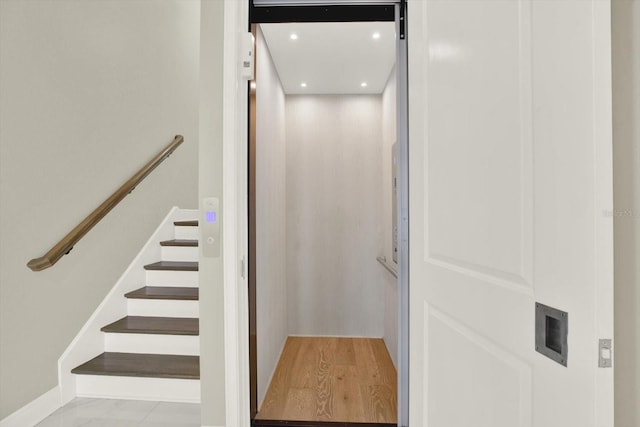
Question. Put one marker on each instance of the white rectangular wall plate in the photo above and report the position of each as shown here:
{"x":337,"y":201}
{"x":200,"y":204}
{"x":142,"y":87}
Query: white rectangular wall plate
{"x":210,"y":224}
{"x":605,"y":357}
{"x":247,"y":56}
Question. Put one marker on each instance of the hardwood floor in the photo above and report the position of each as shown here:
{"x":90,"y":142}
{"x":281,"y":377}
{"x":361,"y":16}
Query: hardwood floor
{"x":155,"y":325}
{"x":332,"y":380}
{"x":142,"y":365}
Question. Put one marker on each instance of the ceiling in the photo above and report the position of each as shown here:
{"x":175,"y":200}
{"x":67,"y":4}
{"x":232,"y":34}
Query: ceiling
{"x":332,"y":57}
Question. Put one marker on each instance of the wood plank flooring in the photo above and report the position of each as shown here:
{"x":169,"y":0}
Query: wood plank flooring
{"x":142,"y":365}
{"x":332,"y":380}
{"x":180,"y":243}
{"x":165,"y":292}
{"x":155,"y":325}
{"x":173,"y":266}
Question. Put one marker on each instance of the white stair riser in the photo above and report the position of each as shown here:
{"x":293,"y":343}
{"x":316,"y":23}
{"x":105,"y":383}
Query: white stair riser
{"x":162,"y":308}
{"x":187,"y":345}
{"x":160,"y":389}
{"x":189,"y":233}
{"x":187,"y":279}
{"x":179,"y":253}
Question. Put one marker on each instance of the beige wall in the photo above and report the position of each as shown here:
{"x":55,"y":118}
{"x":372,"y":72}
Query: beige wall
{"x":212,"y":360}
{"x":90,"y":91}
{"x":271,"y":268}
{"x":334,"y":218}
{"x":626,"y":151}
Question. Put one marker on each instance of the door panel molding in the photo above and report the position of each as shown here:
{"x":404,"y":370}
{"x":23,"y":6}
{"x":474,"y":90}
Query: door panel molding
{"x":501,"y":278}
{"x":489,"y":363}
{"x":483,"y":190}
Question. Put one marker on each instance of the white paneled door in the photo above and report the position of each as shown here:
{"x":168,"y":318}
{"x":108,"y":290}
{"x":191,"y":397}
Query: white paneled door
{"x":510,"y":199}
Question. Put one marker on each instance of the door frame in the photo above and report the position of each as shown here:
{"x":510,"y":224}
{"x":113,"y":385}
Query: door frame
{"x":347,"y":11}
{"x":235,"y":226}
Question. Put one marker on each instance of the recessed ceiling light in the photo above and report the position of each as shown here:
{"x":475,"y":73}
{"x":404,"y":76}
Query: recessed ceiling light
{"x":303,"y":84}
{"x":376,"y":36}
{"x":293,"y":36}
{"x":363,"y":84}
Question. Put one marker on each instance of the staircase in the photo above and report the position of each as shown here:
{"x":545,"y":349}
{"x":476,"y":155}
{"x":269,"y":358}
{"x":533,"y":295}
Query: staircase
{"x":154,"y":351}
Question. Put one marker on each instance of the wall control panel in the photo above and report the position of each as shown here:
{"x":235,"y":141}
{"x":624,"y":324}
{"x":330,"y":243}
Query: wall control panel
{"x":394,"y":201}
{"x":210,"y":224}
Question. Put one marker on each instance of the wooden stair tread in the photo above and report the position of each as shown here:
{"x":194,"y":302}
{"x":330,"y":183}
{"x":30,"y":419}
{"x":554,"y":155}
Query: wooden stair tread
{"x":173,"y":266}
{"x":142,"y":365}
{"x":165,"y":293}
{"x":188,"y":223}
{"x":154,"y":325}
{"x":179,"y":242}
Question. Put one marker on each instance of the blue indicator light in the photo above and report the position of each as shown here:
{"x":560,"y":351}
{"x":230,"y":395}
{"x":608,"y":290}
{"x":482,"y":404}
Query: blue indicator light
{"x":210,"y":216}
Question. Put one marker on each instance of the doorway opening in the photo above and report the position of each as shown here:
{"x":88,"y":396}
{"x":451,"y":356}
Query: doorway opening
{"x":327,"y":213}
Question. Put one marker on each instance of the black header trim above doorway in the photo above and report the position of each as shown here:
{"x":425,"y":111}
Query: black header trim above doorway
{"x":315,"y":13}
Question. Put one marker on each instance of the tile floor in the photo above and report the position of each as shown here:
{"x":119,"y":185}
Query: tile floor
{"x":83,"y":412}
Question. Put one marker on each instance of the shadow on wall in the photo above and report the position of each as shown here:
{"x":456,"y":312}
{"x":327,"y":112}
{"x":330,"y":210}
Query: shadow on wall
{"x":626,"y":213}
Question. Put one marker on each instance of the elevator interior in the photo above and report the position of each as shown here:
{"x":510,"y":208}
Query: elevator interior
{"x":322,"y":165}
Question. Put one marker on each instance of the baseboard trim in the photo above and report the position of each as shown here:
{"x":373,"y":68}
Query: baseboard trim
{"x":285,"y":423}
{"x":35,"y":411}
{"x":375,"y":337}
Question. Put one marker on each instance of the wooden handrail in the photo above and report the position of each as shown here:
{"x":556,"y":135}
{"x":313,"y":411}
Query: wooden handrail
{"x":65,"y":245}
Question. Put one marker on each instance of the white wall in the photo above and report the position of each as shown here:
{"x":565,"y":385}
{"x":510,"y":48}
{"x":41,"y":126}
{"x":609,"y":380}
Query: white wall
{"x":271,"y":286}
{"x":390,"y":334}
{"x":626,"y":151}
{"x":91,"y":90}
{"x":334,"y":215}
